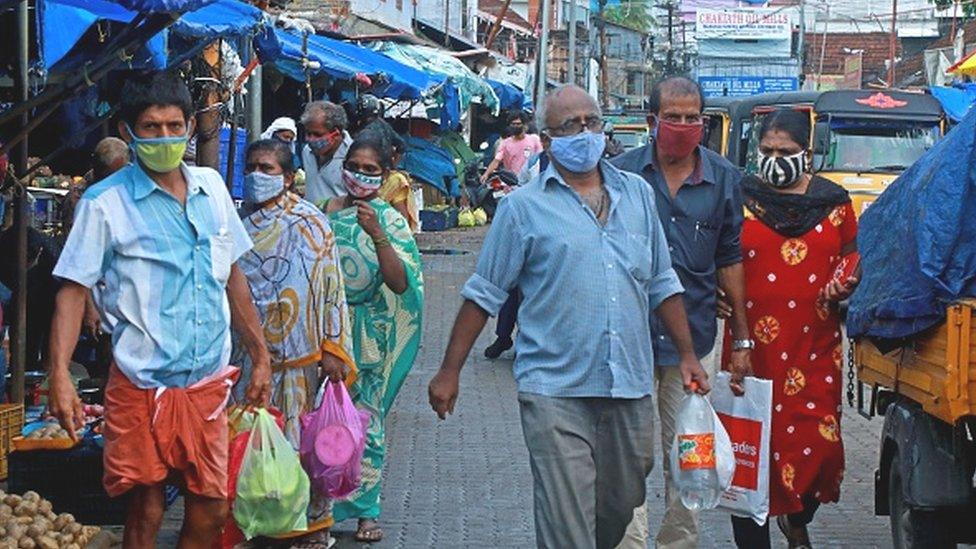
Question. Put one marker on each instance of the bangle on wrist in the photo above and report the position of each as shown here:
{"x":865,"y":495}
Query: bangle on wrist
{"x":381,"y":242}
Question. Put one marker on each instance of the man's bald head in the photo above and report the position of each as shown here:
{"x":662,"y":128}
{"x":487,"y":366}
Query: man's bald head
{"x":674,"y":87}
{"x":567,"y":102}
{"x":111,"y":155}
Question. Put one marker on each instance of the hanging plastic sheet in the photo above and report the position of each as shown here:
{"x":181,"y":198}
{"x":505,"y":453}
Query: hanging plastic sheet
{"x":916,"y":242}
{"x":956,"y":101}
{"x":509,"y":97}
{"x":220,"y":19}
{"x":431,"y":164}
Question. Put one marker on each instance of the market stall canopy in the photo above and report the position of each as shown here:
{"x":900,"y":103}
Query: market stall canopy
{"x":345,"y":61}
{"x":956,"y":101}
{"x":916,"y":242}
{"x":470,"y":86}
{"x":163,"y":6}
{"x":64,"y":22}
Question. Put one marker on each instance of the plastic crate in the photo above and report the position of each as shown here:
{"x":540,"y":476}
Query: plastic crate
{"x":11,"y":422}
{"x":439,"y":220}
{"x":72,"y":481}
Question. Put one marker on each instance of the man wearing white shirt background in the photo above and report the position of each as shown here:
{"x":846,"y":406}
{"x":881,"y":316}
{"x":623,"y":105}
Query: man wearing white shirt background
{"x":326,"y":143}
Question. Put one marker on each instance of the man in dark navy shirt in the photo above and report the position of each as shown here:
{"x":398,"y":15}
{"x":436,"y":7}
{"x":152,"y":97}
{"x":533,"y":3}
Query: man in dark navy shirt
{"x":699,"y":203}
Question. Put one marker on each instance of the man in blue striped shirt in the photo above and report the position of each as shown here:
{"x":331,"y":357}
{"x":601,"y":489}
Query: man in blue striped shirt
{"x":583,"y":244}
{"x":163,"y":238}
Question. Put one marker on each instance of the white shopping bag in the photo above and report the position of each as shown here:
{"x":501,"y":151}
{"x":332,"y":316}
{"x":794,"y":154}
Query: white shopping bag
{"x":747,"y":420}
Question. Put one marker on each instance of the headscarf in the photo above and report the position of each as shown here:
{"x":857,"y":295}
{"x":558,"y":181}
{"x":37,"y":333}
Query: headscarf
{"x":279,"y":124}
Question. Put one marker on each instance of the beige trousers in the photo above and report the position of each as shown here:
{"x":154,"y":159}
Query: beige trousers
{"x":679,"y":529}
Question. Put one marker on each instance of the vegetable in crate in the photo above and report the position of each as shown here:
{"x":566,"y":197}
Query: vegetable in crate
{"x":29,"y":521}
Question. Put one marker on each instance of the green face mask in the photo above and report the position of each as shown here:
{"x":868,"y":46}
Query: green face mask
{"x":159,"y":154}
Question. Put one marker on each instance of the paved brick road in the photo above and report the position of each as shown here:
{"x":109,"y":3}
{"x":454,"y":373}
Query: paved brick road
{"x":466,"y":482}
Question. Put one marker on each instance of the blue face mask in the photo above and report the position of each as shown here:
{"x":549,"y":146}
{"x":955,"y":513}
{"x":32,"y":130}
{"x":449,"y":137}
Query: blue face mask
{"x":260,"y":187}
{"x":578,"y":153}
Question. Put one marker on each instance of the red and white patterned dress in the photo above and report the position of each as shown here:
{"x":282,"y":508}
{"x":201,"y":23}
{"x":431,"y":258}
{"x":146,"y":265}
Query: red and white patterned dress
{"x":798,"y":347}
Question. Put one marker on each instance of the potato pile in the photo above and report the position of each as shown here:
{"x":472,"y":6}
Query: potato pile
{"x":29,"y":522}
{"x":50,"y":431}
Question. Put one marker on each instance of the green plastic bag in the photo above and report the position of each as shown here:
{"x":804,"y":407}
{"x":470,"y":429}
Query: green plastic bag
{"x":272,"y":487}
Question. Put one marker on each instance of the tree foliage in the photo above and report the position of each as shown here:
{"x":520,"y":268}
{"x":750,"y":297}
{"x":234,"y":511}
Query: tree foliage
{"x":967,"y":8}
{"x":633,"y":14}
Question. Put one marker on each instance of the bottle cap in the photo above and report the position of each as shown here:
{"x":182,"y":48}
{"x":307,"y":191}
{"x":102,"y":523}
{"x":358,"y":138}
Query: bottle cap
{"x":693,"y":386}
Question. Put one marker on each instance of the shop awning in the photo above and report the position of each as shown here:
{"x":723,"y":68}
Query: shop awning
{"x":956,"y":101}
{"x":346,"y":61}
{"x":162,"y":6}
{"x":65,"y":22}
{"x":470,"y":86}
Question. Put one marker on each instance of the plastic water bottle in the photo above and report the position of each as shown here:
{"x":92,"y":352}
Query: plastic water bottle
{"x":694,"y":470}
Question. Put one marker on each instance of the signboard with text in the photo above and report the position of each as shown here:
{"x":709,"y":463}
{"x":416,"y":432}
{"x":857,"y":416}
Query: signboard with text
{"x":743,"y":24}
{"x":744,"y":86}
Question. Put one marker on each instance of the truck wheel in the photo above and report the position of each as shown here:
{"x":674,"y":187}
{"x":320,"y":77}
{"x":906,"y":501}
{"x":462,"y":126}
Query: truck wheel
{"x":913,"y":528}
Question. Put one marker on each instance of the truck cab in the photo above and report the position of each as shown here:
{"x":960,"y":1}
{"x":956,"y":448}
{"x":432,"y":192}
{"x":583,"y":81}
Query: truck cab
{"x":863,"y":139}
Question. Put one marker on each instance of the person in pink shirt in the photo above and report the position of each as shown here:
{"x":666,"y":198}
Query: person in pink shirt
{"x":515,"y":150}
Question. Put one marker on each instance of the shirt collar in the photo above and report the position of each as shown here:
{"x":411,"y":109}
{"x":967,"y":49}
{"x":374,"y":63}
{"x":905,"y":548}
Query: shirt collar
{"x":611,"y":178}
{"x":143,"y":185}
{"x":704,"y":171}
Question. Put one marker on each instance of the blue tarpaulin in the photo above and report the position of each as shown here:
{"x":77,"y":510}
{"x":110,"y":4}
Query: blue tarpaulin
{"x":162,"y":6}
{"x":509,"y":97}
{"x":64,"y":22}
{"x":918,"y":242}
{"x":431,"y":164}
{"x":343,"y":61}
{"x":223,"y":18}
{"x":956,"y":101}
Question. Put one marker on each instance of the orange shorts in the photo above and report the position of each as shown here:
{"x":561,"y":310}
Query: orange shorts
{"x":182,"y":432}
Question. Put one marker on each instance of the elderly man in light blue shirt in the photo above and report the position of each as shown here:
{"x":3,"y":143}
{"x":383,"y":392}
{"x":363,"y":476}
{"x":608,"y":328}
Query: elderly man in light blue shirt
{"x":583,"y":244}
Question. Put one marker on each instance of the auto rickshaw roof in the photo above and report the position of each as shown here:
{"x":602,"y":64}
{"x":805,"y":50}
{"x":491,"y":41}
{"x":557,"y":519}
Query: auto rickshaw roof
{"x":879,"y":104}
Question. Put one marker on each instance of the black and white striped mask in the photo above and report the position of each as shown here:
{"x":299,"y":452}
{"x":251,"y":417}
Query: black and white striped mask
{"x":782,"y":172}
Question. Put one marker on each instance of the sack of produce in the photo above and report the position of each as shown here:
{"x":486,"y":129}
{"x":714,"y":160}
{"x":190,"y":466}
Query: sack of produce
{"x":272,"y":489}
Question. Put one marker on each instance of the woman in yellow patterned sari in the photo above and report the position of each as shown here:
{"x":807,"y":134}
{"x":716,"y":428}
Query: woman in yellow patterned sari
{"x":384,"y":288}
{"x":293,"y":272}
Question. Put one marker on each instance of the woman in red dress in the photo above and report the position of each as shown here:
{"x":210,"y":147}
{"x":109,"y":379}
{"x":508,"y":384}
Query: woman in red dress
{"x":799,"y":231}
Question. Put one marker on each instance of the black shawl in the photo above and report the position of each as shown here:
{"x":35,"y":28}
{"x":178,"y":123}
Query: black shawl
{"x":793,"y":215}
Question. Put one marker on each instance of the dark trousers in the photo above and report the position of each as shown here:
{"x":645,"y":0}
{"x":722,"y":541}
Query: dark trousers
{"x":505,"y":324}
{"x":749,"y":535}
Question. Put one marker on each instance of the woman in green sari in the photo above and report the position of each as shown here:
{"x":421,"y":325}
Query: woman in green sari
{"x":381,"y":267}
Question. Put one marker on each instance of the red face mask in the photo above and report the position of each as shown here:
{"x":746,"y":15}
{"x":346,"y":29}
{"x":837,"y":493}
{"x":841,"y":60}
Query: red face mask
{"x":678,"y":140}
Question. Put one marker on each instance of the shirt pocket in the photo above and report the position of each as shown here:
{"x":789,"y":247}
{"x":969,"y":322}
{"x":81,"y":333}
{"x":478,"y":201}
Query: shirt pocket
{"x":638,"y":258}
{"x":700,"y":240}
{"x":220,"y":254}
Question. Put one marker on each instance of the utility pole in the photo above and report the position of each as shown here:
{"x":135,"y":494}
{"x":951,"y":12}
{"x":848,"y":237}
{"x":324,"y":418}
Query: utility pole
{"x":572,"y":42}
{"x":669,"y":65}
{"x":542,"y":54}
{"x":893,"y":43}
{"x":604,"y":70}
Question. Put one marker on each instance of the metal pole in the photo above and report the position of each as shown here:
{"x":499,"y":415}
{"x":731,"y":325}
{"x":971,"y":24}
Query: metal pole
{"x":19,"y":341}
{"x":892,"y":43}
{"x":801,"y":40}
{"x":604,"y":69}
{"x":447,"y":23}
{"x":543,"y":53}
{"x":670,"y":60}
{"x":253,"y":100}
{"x":571,"y":73}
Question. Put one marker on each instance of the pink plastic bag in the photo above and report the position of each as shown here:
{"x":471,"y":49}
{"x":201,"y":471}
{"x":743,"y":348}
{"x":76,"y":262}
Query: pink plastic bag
{"x":333,"y":441}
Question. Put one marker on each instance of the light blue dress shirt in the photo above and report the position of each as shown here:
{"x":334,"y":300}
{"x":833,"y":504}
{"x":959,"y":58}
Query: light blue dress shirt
{"x":589,"y":290}
{"x":164,"y":268}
